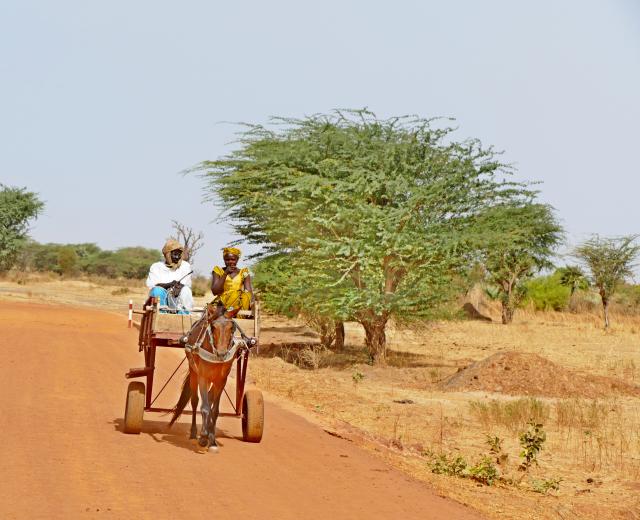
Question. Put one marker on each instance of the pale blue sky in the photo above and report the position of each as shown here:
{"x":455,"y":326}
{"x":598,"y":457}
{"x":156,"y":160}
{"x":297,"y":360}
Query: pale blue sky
{"x":103,"y":103}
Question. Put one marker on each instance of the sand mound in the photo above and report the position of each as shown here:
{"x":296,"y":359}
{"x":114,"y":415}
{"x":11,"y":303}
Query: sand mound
{"x":518,"y":373}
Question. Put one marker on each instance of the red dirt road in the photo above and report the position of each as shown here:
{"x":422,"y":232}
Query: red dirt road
{"x":64,"y":456}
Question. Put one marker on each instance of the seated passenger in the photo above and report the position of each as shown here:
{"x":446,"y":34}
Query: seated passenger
{"x":230,"y":285}
{"x":170,"y":281}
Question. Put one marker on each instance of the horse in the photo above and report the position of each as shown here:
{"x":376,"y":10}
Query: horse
{"x":210,"y":349}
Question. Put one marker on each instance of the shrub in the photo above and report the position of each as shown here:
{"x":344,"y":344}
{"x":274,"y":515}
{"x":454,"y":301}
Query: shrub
{"x":452,"y":466}
{"x":67,"y":260}
{"x":531,"y":442}
{"x":545,"y":485}
{"x":484,"y":471}
{"x":547,"y":293}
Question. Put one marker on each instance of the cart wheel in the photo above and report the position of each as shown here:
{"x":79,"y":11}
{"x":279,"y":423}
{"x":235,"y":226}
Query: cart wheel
{"x":134,"y":410}
{"x":252,"y":415}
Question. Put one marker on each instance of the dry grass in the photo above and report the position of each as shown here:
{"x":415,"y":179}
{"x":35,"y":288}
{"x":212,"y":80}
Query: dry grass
{"x":513,"y":414}
{"x":593,"y":446}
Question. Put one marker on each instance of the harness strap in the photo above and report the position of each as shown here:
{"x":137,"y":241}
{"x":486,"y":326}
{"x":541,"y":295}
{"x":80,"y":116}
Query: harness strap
{"x":210,"y":357}
{"x":215,"y":357}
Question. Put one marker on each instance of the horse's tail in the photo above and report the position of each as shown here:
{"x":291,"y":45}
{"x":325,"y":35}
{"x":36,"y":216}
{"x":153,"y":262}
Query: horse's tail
{"x":182,"y":400}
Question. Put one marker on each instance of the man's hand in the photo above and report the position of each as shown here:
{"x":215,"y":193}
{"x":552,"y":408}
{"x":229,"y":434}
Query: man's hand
{"x":176,"y":287}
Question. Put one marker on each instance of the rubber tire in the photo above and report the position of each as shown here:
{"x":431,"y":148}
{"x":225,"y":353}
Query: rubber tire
{"x":252,"y":415}
{"x":134,"y":410}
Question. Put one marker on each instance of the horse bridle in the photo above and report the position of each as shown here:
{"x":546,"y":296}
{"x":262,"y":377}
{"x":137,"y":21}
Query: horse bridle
{"x":215,"y":356}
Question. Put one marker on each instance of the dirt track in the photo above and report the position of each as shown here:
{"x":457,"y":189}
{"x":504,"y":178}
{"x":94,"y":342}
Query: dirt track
{"x":64,"y":455}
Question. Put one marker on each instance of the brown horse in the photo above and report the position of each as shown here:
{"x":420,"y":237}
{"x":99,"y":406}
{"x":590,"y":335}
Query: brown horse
{"x":210,"y":349}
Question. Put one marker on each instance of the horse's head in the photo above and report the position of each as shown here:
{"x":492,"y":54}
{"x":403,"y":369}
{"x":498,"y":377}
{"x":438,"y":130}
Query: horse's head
{"x":222,"y":327}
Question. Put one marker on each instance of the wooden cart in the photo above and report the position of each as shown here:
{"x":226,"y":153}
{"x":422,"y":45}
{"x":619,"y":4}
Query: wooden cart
{"x":160,"y":328}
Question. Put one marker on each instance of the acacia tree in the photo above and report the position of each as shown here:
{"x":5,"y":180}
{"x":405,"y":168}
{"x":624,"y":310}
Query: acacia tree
{"x":572,"y":276}
{"x":610,"y":261}
{"x":521,"y":239}
{"x":17,"y":208}
{"x":373,"y":215}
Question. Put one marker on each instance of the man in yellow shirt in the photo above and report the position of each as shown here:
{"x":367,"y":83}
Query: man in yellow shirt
{"x":231,"y":285}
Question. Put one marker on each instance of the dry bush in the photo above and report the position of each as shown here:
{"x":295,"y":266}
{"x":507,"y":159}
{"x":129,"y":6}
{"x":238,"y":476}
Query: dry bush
{"x":581,"y":413}
{"x":514,"y":415}
{"x":27,"y":277}
{"x":310,"y":357}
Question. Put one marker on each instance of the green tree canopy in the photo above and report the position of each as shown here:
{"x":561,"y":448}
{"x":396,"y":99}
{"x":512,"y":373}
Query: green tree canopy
{"x":373,"y":216}
{"x":17,"y":208}
{"x":610,"y":261}
{"x":520,"y":240}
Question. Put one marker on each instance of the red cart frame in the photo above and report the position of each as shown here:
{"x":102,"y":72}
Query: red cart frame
{"x":248,"y":405}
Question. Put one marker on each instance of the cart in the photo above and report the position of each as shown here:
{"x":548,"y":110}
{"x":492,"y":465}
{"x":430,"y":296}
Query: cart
{"x":161,"y":328}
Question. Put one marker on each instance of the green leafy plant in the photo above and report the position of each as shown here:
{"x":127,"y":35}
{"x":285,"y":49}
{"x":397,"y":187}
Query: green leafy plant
{"x":531,"y":442}
{"x":449,"y":465}
{"x":495,"y":447}
{"x":357,"y":377}
{"x":545,"y":485}
{"x":548,"y":293}
{"x":483,"y":471}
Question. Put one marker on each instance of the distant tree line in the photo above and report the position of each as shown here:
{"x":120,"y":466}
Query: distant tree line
{"x":73,"y":259}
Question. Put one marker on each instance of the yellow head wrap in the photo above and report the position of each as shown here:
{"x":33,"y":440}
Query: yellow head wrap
{"x":231,"y":251}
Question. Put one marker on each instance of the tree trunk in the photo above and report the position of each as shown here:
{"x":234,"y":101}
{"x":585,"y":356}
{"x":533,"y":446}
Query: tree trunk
{"x":507,"y":313}
{"x":339,"y":341}
{"x":376,"y":339}
{"x":327,"y":333}
{"x":605,"y":307}
{"x":508,"y":305}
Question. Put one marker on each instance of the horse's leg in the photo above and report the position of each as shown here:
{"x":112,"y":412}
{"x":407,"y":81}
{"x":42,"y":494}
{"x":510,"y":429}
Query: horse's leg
{"x":193,"y":382}
{"x":205,"y":409}
{"x":216,"y":393}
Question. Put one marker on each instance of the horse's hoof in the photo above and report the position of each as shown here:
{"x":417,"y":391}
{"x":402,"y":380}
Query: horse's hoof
{"x":203,"y":442}
{"x":214,"y":449}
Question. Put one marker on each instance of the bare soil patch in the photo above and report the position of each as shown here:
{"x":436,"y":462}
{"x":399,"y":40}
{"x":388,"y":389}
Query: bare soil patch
{"x":524,"y":373}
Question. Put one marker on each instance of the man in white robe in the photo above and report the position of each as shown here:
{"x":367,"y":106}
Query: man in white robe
{"x":170,"y":281}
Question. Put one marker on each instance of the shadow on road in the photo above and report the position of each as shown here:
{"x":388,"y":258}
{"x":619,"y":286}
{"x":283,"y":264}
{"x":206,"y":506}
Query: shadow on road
{"x":177,"y":435}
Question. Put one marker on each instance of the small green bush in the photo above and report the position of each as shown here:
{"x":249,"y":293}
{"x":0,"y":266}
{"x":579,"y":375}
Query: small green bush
{"x":546,"y":293}
{"x":531,"y":442}
{"x":484,"y":471}
{"x":545,"y":485}
{"x":449,"y":465}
